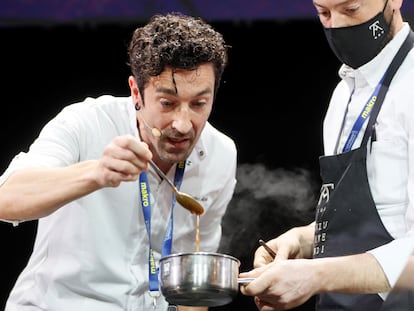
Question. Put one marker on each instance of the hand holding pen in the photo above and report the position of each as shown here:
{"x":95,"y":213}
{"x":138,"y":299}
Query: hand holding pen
{"x":267,"y":248}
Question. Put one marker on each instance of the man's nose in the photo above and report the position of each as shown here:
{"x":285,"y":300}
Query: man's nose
{"x":182,"y":121}
{"x":337,"y":20}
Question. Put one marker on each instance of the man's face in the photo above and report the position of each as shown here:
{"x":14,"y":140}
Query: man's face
{"x":344,"y":13}
{"x":178,"y":104}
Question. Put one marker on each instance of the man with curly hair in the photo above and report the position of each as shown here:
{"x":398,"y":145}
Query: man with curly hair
{"x":105,"y":217}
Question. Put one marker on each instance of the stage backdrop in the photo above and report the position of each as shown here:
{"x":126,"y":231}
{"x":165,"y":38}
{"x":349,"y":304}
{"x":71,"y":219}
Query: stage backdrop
{"x":28,"y":12}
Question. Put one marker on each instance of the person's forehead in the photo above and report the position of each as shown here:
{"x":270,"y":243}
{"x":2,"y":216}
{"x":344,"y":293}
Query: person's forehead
{"x":202,"y":78}
{"x":345,"y":2}
{"x":202,"y":72}
{"x":336,"y":3}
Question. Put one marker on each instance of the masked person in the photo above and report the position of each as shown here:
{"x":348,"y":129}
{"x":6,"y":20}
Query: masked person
{"x":363,"y":233}
{"x":104,"y":216}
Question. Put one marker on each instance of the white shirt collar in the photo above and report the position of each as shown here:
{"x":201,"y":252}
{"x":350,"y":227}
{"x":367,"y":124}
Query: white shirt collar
{"x":372,"y":71}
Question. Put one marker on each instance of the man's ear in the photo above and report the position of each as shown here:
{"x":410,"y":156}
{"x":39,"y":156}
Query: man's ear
{"x":133,"y":86}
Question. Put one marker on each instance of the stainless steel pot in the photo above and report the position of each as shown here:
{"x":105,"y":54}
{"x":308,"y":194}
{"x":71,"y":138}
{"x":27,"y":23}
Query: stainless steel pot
{"x":199,"y":278}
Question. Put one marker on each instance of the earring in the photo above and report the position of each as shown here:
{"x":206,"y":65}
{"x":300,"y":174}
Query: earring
{"x":137,"y":107}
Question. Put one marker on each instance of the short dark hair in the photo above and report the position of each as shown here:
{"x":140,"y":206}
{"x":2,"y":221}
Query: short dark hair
{"x":178,"y":41}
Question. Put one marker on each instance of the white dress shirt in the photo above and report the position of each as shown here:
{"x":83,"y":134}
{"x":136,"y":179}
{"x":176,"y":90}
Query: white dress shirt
{"x":390,"y":159}
{"x":92,"y":254}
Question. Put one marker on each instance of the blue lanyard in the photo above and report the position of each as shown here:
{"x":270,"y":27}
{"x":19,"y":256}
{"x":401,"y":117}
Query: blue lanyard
{"x":365,"y":113}
{"x":168,"y":236}
{"x":377,"y":97}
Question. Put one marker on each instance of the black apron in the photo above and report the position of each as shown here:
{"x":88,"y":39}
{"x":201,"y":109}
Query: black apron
{"x":347,"y":220}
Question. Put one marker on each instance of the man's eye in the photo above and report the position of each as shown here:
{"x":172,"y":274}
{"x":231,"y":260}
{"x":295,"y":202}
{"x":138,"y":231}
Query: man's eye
{"x":199,"y":103}
{"x":324,"y":14}
{"x":166,"y":103}
{"x":351,"y":10}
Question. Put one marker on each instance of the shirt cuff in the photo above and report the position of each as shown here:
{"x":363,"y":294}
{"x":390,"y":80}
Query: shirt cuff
{"x":394,"y":256}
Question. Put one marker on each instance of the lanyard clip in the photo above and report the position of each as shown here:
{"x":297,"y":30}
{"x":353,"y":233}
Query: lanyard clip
{"x":154,"y":295}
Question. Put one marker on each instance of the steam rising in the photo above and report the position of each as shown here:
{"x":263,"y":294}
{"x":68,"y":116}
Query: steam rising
{"x":265,"y":204}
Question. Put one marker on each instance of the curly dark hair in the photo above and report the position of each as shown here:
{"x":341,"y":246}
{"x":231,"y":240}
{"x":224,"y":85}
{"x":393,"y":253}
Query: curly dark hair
{"x":177,"y":41}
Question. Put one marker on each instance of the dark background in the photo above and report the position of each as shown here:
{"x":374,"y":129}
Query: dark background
{"x":271,"y":102}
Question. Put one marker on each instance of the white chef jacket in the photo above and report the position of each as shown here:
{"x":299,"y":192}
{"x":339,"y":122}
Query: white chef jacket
{"x":390,"y":159}
{"x":92,"y":254}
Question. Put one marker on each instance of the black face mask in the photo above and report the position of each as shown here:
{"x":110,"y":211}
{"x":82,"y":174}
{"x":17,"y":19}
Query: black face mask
{"x":357,"y":45}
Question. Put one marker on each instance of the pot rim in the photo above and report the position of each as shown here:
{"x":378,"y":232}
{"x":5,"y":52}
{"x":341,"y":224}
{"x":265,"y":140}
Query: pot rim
{"x":214,"y":254}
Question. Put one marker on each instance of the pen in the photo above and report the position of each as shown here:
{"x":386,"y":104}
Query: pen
{"x":269,"y":250}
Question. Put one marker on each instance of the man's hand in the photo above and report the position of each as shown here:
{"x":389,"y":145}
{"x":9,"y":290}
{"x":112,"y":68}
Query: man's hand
{"x":122,"y":160}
